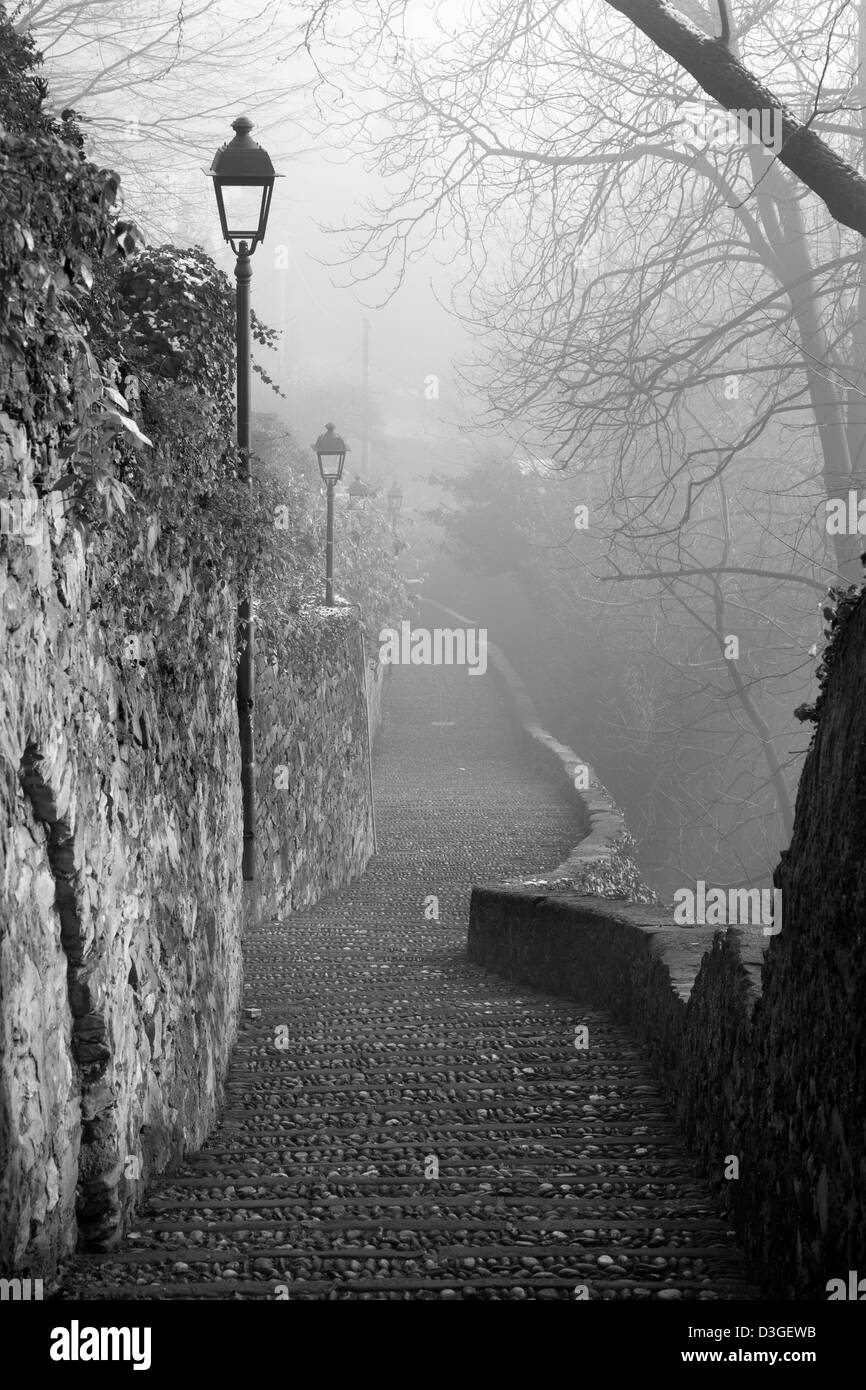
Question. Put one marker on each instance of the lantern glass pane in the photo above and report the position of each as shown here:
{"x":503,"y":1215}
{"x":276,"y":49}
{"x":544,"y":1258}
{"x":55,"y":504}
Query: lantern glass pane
{"x":243,"y":205}
{"x":331,"y":465}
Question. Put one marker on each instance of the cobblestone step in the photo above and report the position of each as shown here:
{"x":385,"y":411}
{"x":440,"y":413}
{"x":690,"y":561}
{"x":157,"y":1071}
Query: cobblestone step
{"x":428,"y":1131}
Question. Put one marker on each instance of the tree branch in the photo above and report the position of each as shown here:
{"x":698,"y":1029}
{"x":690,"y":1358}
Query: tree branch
{"x":838,"y":184}
{"x":719,"y":569}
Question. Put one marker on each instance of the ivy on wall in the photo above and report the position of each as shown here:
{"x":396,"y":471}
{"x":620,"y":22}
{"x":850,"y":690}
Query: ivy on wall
{"x":119,"y":359}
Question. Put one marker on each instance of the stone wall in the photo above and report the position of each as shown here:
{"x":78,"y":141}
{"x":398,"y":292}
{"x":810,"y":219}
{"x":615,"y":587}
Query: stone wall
{"x":121,"y":899}
{"x":758,"y":1038}
{"x":315,"y":819}
{"x":805,"y":1208}
{"x":119,"y":895}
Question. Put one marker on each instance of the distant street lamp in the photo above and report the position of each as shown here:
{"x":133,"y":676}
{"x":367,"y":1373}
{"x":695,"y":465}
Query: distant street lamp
{"x":243,"y":179}
{"x":395,"y":502}
{"x":331,"y":451}
{"x":358,"y":491}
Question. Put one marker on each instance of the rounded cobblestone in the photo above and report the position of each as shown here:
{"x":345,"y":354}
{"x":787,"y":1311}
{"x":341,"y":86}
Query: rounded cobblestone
{"x":429,"y":1130}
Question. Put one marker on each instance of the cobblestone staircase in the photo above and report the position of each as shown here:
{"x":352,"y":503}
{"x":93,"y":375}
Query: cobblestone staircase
{"x":426,"y":1130}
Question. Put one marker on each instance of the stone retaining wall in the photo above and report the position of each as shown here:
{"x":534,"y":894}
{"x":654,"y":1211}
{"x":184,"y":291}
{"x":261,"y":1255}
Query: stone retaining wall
{"x":121,"y":899}
{"x":120,"y":966}
{"x":315,"y":817}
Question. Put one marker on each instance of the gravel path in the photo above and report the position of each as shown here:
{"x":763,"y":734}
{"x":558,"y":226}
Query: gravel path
{"x":429,"y":1131}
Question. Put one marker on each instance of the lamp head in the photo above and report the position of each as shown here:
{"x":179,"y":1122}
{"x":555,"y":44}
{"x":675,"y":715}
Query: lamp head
{"x":331,"y":450}
{"x":243,"y":178}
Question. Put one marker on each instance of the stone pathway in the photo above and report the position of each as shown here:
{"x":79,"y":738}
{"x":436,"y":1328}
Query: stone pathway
{"x":430,"y":1131}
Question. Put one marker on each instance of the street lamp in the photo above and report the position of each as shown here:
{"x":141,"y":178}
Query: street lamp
{"x":358,"y":491}
{"x":243,"y":179}
{"x":395,"y":502}
{"x":331,"y":451}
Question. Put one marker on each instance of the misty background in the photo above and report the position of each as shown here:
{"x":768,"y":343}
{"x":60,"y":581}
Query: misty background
{"x":565,"y":304}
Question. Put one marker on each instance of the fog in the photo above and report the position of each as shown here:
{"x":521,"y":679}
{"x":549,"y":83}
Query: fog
{"x":496,"y":317}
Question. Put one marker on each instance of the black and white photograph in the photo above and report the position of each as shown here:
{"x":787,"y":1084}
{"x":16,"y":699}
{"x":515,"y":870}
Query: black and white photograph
{"x":432,"y":674}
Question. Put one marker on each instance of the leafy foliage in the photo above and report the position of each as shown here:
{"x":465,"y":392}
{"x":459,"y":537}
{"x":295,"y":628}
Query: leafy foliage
{"x":616,"y":877}
{"x":59,"y":218}
{"x":837,"y":610}
{"x":120,"y":362}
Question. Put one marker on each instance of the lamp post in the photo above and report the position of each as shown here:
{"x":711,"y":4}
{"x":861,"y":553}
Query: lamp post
{"x":395,"y":503}
{"x":331,"y":451}
{"x":243,"y":179}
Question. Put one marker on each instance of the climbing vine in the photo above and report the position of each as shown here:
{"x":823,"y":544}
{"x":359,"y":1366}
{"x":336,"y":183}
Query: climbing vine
{"x":837,"y":609}
{"x":119,"y":361}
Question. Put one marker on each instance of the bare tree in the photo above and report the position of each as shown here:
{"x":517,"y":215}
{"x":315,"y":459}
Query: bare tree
{"x":619,"y":282}
{"x":156,"y":83}
{"x":710,"y":59}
